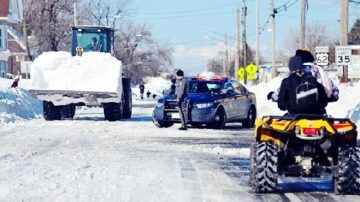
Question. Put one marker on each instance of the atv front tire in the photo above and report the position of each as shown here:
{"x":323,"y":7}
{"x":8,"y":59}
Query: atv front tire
{"x":263,"y":167}
{"x":346,"y":180}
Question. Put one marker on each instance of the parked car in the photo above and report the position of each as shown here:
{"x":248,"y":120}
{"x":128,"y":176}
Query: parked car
{"x":213,"y":102}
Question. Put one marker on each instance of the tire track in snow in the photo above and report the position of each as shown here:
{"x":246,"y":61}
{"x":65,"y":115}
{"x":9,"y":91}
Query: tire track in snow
{"x":191,"y":180}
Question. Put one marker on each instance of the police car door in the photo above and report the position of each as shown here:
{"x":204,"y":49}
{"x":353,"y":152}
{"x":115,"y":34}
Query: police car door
{"x":241,"y":99}
{"x":231,"y":107}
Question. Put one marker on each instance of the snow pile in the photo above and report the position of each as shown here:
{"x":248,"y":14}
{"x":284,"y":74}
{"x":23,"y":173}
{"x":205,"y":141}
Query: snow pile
{"x":264,"y":106}
{"x":93,"y":71}
{"x":154,"y":85}
{"x":18,"y":104}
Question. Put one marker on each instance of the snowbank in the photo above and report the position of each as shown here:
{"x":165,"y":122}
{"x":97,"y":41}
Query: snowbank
{"x":18,"y":104}
{"x":93,"y":71}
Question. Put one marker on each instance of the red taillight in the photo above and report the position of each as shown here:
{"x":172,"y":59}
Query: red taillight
{"x":311,"y":131}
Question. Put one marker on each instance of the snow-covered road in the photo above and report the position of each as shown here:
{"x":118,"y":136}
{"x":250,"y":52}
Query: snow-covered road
{"x":89,"y":159}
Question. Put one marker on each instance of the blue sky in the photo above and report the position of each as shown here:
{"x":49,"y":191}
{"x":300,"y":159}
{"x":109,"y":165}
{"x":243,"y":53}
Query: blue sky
{"x":196,"y":28}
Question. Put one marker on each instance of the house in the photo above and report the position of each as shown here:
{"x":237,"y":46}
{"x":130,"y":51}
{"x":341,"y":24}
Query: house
{"x":11,"y":11}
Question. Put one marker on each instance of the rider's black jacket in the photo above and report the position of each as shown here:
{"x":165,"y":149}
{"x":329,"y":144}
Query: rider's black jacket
{"x":287,"y":95}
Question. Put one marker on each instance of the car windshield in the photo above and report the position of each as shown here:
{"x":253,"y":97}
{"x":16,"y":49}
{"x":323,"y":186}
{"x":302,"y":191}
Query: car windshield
{"x":205,"y":87}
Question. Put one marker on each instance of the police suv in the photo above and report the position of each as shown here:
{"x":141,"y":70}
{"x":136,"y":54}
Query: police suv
{"x":213,"y":102}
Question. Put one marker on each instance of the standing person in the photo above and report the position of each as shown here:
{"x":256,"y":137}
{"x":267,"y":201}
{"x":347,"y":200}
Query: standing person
{"x":142,"y":90}
{"x":181,"y":94}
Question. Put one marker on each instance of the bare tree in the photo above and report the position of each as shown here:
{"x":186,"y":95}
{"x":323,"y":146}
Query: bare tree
{"x":316,"y":35}
{"x":48,"y":22}
{"x":105,"y":13}
{"x":139,"y":53}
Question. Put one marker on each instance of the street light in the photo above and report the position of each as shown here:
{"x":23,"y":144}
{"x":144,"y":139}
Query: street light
{"x":116,"y":16}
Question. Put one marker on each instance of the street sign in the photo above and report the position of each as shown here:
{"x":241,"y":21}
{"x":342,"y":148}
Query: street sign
{"x":343,"y":55}
{"x":251,"y":71}
{"x":241,"y":73}
{"x":354,"y":68}
{"x":321,"y":49}
{"x":322,"y":55}
{"x":322,"y":59}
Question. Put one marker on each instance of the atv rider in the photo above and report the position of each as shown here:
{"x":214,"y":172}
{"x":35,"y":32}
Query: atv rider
{"x":297,"y":100}
{"x":331,"y":89}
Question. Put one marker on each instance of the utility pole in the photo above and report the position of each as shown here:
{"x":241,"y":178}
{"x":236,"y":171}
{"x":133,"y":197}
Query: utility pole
{"x":272,"y":15}
{"x":344,"y":22}
{"x":302,"y":25}
{"x":75,"y":14}
{"x":226,"y":63}
{"x":237,"y":51}
{"x":244,"y":9}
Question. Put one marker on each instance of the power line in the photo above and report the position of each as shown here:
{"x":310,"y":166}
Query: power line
{"x":187,"y":11}
{"x":184,"y":16}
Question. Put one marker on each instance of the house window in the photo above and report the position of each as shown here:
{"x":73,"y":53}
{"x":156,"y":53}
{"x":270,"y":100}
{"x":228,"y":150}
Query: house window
{"x":3,"y":45}
{"x":3,"y":69}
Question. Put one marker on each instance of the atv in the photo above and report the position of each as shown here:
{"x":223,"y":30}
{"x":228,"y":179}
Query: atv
{"x":305,"y":146}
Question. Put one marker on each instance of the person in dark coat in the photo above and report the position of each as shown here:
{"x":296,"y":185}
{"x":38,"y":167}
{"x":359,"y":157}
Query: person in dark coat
{"x":287,"y":94}
{"x":15,"y":83}
{"x":181,"y":95}
{"x":142,"y":90}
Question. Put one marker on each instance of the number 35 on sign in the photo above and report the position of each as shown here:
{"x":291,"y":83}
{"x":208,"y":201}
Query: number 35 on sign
{"x":343,"y":55}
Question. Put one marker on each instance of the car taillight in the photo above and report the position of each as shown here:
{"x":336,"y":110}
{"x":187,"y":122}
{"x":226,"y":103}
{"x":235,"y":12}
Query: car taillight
{"x":311,"y":131}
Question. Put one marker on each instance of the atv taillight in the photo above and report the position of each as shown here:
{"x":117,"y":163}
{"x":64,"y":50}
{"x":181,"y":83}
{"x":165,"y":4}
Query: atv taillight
{"x":311,"y":131}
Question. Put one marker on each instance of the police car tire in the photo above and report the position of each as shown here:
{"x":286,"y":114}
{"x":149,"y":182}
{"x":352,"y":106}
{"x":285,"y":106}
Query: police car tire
{"x":162,"y":124}
{"x":250,"y":119}
{"x":348,"y":171}
{"x":221,"y":123}
{"x":196,"y":125}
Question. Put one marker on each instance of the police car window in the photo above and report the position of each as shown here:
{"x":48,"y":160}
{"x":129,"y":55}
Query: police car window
{"x":239,"y":88}
{"x":228,"y":86}
{"x":204,"y":87}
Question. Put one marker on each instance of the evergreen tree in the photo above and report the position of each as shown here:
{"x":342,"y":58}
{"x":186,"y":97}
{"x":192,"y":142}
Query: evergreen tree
{"x":354,"y":35}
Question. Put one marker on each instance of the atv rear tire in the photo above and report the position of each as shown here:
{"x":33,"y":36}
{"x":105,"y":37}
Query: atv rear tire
{"x":347,"y":176}
{"x":263,"y":167}
{"x":112,"y":111}
{"x":50,"y":111}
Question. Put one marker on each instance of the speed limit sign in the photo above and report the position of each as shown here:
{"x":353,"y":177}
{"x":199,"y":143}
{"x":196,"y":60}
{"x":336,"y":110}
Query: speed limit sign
{"x":343,"y":55}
